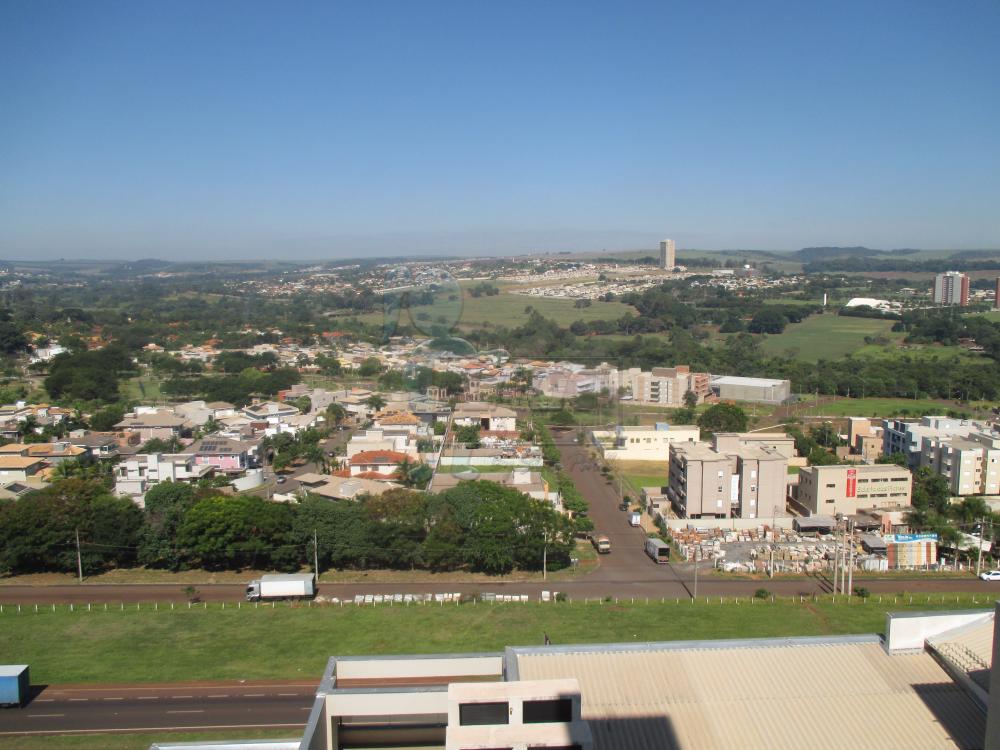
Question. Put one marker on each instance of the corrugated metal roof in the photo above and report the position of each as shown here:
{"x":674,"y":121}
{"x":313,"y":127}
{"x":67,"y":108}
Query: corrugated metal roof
{"x":817,"y":696}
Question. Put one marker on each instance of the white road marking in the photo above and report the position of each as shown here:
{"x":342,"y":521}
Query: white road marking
{"x":44,"y":716}
{"x":181,"y":696}
{"x":78,"y":700}
{"x":113,"y":699}
{"x":149,"y":697}
{"x":219,"y":696}
{"x":254,"y":695}
{"x":191,"y":711}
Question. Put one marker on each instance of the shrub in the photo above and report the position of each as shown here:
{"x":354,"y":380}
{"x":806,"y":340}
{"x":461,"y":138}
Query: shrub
{"x":761,"y":594}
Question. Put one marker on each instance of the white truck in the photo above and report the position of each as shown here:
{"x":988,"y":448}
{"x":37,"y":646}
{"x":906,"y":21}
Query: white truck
{"x":282,"y":586}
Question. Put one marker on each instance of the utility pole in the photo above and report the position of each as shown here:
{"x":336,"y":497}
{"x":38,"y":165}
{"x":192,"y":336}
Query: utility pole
{"x":850,"y":564}
{"x":316,"y":555}
{"x":79,"y":560}
{"x":979,"y":558}
{"x":836,"y":558}
{"x":545,"y":557}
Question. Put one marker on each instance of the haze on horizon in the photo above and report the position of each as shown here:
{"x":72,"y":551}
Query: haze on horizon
{"x":251,"y":130}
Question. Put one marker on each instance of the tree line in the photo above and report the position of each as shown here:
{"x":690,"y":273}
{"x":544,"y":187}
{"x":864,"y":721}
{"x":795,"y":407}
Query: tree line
{"x":477,"y":526}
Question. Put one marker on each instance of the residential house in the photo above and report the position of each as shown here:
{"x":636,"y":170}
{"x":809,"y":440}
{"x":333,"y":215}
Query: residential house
{"x":399,"y":441}
{"x":340,"y":488}
{"x":135,"y":475}
{"x":101,"y":445}
{"x":54,"y":453}
{"x":490,"y":417}
{"x":230,"y":456}
{"x":379,"y":464}
{"x":16,"y":468}
{"x":152,"y":424}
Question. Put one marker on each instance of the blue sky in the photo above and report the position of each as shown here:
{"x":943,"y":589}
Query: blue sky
{"x":311,"y":130}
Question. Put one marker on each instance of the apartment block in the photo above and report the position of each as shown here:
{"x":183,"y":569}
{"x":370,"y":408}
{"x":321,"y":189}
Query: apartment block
{"x":727,"y":479}
{"x":666,"y":385}
{"x":829,"y":490}
{"x":907,"y":437}
{"x":668,"y":255}
{"x":951,"y":288}
{"x":970,"y":464}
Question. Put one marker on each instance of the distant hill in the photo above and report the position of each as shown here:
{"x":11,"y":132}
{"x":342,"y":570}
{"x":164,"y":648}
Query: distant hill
{"x":808,"y":254}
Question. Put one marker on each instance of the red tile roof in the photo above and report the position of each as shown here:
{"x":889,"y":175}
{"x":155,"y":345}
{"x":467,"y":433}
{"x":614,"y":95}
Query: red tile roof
{"x":378,"y":457}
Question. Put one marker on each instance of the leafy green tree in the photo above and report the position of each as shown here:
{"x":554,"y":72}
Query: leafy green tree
{"x":723,"y":418}
{"x":375,"y":402}
{"x":563,"y":417}
{"x":897,"y":458}
{"x":690,"y":400}
{"x":336,"y":413}
{"x":340,"y":527}
{"x":468,"y":435}
{"x":38,"y":530}
{"x":238,"y":532}
{"x":303,"y":404}
{"x":369,"y":367}
{"x":166,"y":504}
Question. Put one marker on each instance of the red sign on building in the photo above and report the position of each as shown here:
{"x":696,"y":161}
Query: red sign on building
{"x":852,"y":482}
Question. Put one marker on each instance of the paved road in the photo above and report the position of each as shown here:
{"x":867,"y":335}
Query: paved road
{"x":223,"y":705}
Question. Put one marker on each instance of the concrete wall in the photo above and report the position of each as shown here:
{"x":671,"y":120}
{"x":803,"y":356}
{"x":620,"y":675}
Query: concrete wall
{"x":909,"y":631}
{"x":348,"y":669}
{"x":489,"y":461}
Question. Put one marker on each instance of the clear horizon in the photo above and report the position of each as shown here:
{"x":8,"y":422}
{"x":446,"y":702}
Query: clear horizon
{"x":248,"y":131}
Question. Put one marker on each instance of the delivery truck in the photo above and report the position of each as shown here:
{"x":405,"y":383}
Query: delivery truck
{"x":14,"y":684}
{"x":635,"y":519}
{"x":282,"y":586}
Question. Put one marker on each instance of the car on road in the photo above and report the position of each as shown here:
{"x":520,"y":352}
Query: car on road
{"x":624,"y":506}
{"x":990,"y":575}
{"x":281,"y":480}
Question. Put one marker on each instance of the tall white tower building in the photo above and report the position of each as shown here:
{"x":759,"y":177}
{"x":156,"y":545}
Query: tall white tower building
{"x":668,"y":255}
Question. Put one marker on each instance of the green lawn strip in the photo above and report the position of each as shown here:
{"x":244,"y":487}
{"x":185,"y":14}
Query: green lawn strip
{"x":132,"y":741}
{"x":877,"y":407}
{"x":287,"y":642}
{"x":638,"y":481}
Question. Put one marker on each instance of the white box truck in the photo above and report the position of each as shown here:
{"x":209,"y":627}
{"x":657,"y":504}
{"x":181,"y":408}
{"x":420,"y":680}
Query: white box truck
{"x":635,"y":520}
{"x":282,"y":586}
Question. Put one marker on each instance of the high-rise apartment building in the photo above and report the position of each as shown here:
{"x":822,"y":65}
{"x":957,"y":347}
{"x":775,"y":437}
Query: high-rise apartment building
{"x":970,"y":464}
{"x":996,"y":295}
{"x":668,"y":255}
{"x":951,"y":288}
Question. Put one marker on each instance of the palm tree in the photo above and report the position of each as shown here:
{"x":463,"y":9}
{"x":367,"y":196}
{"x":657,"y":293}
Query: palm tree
{"x":413,"y":474}
{"x":375,"y":402}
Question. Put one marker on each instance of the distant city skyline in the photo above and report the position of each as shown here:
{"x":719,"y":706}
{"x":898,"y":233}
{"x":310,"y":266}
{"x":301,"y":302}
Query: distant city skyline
{"x":244,"y":130}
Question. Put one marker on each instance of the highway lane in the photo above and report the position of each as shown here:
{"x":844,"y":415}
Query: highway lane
{"x":67,"y":710}
{"x":651,"y":580}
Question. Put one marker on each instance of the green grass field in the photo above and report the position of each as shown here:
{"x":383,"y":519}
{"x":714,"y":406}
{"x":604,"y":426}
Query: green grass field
{"x":825,"y":337}
{"x":144,"y":388}
{"x":216,"y":644}
{"x":878,"y":407}
{"x":506,"y":309}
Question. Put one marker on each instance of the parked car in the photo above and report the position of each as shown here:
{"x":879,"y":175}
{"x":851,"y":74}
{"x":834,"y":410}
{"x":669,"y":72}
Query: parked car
{"x":624,"y":506}
{"x":990,"y":575}
{"x":281,"y":479}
